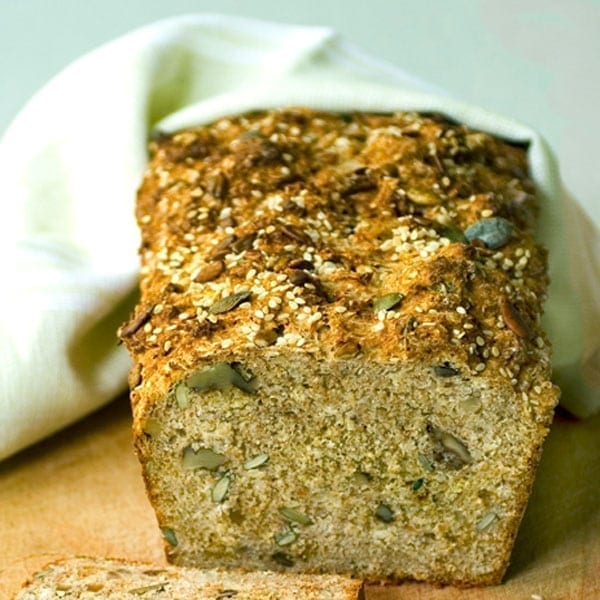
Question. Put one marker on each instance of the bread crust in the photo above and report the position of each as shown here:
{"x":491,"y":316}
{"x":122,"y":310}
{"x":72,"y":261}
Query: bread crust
{"x":83,"y":577}
{"x":341,"y":237}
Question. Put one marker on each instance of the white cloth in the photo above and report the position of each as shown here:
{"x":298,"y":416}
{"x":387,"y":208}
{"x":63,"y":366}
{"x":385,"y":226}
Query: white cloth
{"x":72,"y":159}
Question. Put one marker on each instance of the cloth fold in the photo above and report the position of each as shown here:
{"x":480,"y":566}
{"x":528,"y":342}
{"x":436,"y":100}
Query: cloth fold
{"x":71,"y":161}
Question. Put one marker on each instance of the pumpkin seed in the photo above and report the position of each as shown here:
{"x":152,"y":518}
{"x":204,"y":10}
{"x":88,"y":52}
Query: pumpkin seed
{"x":224,"y":594}
{"x":152,"y":427}
{"x":454,"y":234}
{"x":294,"y":516}
{"x":486,"y":521}
{"x":169,"y":535}
{"x":425,"y":462}
{"x":494,"y":232}
{"x":362,"y":477}
{"x":182,"y":395}
{"x":418,"y":484}
{"x":445,"y":370}
{"x":221,"y":489}
{"x":229,"y":302}
{"x":205,"y":458}
{"x":384,"y":513}
{"x":257,"y":461}
{"x":387,"y":302}
{"x":286,"y":538}
{"x":157,"y":587}
{"x":283,"y":559}
{"x":220,"y":376}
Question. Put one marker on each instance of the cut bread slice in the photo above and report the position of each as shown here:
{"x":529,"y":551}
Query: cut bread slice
{"x":80,"y":578}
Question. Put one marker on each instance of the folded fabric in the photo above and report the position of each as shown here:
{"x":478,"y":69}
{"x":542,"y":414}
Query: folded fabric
{"x":72,"y":159}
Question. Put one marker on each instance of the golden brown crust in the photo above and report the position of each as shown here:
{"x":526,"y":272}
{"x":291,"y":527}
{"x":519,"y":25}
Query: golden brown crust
{"x":341,"y":236}
{"x":316,"y":215}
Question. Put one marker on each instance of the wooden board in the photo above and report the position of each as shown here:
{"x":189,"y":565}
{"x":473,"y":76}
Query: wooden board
{"x":80,"y":492}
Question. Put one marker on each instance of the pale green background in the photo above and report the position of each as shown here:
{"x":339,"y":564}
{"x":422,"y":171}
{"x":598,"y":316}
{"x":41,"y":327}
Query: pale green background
{"x":536,"y":60}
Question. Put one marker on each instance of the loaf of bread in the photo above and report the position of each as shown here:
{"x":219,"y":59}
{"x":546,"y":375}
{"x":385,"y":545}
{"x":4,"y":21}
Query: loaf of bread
{"x":87,"y":578}
{"x":339,"y":366}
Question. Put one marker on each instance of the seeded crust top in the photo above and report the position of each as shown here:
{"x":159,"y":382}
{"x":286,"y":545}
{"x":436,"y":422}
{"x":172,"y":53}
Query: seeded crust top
{"x":393,"y":237}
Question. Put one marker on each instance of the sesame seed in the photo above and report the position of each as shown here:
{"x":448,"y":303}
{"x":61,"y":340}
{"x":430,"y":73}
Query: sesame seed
{"x":379,"y":326}
{"x":461,"y":310}
{"x":487,"y":213}
{"x":340,"y":309}
{"x":226,"y":343}
{"x":480,"y":367}
{"x":495,"y":351}
{"x":479,"y":341}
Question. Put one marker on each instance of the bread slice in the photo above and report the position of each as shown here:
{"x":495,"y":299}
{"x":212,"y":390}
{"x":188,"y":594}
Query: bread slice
{"x":118,"y":579}
{"x":339,"y":365}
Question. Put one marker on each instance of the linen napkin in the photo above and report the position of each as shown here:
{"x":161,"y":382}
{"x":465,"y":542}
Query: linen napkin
{"x":71,"y":161}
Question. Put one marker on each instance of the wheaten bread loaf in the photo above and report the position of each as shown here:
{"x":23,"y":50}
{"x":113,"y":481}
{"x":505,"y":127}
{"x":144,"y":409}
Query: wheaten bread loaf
{"x":87,"y":578}
{"x":339,"y":365}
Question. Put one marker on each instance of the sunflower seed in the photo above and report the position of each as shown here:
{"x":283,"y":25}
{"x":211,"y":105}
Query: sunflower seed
{"x":453,"y":445}
{"x":182,"y":395}
{"x":136,"y":323}
{"x":257,"y":461}
{"x":294,"y":516}
{"x":514,"y":321}
{"x":494,"y":232}
{"x":223,"y":247}
{"x":422,"y":197}
{"x":218,"y":185}
{"x":169,"y":535}
{"x":221,"y":489}
{"x":301,"y":263}
{"x":210,"y":272}
{"x":243,"y":243}
{"x":228,"y":303}
{"x":387,"y":302}
{"x":384,"y":513}
{"x":205,"y":458}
